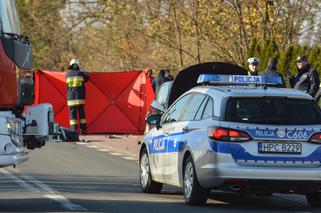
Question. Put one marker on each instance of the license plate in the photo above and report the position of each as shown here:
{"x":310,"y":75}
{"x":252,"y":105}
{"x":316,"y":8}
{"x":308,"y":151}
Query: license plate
{"x":288,"y":148}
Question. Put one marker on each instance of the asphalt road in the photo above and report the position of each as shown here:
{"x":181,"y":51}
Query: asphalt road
{"x":69,"y":177}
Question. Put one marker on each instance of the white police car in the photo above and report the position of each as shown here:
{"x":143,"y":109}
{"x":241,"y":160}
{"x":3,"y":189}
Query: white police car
{"x":235,"y":133}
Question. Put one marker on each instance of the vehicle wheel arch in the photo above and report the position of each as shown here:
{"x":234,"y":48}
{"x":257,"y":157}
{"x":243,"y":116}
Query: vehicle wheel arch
{"x":142,"y":147}
{"x":187,"y":153}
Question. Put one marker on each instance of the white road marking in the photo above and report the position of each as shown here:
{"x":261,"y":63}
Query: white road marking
{"x":111,"y":151}
{"x":81,"y":143}
{"x":104,"y":150}
{"x":47,"y":191}
{"x":115,"y":153}
{"x":38,"y":183}
{"x":19,"y":182}
{"x":129,"y":158}
{"x":65,"y":202}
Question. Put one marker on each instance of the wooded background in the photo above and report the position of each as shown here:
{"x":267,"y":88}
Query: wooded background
{"x":118,"y":35}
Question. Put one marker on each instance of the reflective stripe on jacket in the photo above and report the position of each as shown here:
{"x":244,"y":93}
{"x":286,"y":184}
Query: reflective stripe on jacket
{"x":76,"y":102}
{"x":76,"y":81}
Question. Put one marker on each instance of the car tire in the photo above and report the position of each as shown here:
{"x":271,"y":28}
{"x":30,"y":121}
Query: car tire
{"x":314,"y":199}
{"x":146,"y":182}
{"x":194,"y":194}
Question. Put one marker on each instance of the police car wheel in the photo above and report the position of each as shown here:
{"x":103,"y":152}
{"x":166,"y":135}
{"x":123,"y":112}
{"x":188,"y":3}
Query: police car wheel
{"x":194,"y":194}
{"x":146,"y":182}
{"x":314,"y":199}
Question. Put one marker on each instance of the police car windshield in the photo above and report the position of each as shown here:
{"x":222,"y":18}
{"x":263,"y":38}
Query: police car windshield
{"x":269,"y":110}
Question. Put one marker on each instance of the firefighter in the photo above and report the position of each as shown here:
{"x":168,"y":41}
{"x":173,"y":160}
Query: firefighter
{"x":76,"y":95}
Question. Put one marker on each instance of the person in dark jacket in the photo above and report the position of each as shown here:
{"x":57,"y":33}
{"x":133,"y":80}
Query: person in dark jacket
{"x":271,"y":70}
{"x":318,"y":95}
{"x":159,"y":80}
{"x":76,"y":95}
{"x":168,"y":75}
{"x":306,"y":79}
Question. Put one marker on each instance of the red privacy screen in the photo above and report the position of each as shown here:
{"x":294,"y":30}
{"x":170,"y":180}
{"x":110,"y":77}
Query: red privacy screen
{"x":116,"y":102}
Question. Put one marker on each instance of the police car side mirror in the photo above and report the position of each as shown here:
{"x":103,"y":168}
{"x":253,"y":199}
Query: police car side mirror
{"x":154,"y":120}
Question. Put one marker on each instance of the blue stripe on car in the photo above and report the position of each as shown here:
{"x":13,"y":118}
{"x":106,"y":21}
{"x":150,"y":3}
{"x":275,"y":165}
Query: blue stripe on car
{"x":165,"y":144}
{"x":280,"y":133}
{"x":162,"y":144}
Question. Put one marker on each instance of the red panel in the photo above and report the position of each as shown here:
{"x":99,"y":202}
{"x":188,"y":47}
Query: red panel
{"x":149,"y":93}
{"x":63,"y":116}
{"x":58,"y":80}
{"x":115,"y":103}
{"x":96,"y":104}
{"x":113,"y":121}
{"x":50,"y":92}
{"x":130,"y":101}
{"x":113,"y":83}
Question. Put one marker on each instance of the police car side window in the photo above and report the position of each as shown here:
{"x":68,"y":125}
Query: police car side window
{"x":176,"y":109}
{"x":208,"y":111}
{"x":200,"y":111}
{"x":192,"y":107}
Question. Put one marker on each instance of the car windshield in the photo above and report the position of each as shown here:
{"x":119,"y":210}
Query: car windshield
{"x":269,"y":110}
{"x":9,"y":22}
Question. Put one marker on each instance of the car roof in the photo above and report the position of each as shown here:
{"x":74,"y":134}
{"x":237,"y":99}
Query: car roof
{"x":250,"y":91}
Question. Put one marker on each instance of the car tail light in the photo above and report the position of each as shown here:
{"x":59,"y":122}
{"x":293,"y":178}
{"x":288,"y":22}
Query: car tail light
{"x":316,"y":138}
{"x":231,"y":135}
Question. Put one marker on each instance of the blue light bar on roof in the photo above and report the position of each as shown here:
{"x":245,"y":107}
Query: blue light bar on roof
{"x":239,"y":79}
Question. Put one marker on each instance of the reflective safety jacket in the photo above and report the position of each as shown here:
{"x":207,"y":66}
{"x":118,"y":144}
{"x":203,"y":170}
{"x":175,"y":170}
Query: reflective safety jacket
{"x":76,"y":92}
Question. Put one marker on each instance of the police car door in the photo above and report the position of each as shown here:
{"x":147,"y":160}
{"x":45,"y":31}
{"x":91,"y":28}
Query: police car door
{"x":166,"y":134}
{"x":189,"y":134}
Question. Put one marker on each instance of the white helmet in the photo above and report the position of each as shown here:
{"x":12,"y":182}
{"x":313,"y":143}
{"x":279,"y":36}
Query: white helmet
{"x":74,"y":61}
{"x":253,"y":60}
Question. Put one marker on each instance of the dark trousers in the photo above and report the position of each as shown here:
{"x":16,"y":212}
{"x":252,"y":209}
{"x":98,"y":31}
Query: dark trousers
{"x":79,"y":111}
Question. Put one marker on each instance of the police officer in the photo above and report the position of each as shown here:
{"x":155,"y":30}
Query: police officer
{"x":76,"y":95}
{"x":271,"y":70}
{"x":306,"y":79}
{"x":253,"y":65}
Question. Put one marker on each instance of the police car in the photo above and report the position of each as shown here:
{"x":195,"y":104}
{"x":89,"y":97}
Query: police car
{"x":235,"y":133}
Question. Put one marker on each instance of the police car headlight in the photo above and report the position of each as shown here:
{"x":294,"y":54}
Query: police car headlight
{"x":15,"y":131}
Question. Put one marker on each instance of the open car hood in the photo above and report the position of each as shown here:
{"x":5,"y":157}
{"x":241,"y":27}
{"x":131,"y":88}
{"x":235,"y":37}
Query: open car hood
{"x":187,"y":78}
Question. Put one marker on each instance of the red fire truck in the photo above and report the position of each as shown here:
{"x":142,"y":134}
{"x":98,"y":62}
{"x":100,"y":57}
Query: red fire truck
{"x":21,"y":128}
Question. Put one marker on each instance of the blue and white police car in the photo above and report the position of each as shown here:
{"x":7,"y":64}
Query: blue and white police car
{"x":235,"y":133}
